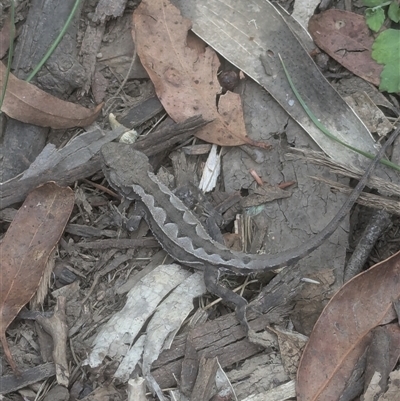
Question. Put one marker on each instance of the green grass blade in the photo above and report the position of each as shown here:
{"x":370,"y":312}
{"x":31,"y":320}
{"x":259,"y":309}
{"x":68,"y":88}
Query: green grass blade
{"x":55,"y":43}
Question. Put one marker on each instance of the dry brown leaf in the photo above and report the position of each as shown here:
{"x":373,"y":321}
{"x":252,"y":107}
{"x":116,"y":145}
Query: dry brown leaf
{"x":27,"y":103}
{"x":185,"y":78}
{"x":344,"y":329}
{"x":31,"y":237}
{"x":346,"y":38}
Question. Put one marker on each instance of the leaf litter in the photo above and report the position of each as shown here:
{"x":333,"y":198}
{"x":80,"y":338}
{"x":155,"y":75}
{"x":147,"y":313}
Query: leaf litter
{"x":213,"y":67}
{"x":25,"y":249}
{"x":185,"y":78}
{"x":164,"y":295}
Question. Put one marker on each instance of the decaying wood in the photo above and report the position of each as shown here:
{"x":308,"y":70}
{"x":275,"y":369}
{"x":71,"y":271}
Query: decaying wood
{"x":12,"y":383}
{"x":79,"y":158}
{"x":57,"y":327}
{"x":168,"y":135}
{"x":225,"y":338}
{"x":205,"y":379}
{"x":76,"y":160}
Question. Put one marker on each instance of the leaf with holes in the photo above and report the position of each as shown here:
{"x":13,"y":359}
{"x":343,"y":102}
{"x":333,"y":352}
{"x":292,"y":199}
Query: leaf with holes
{"x":185,"y":77}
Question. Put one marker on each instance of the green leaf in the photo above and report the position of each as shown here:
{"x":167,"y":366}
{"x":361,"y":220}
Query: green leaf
{"x":374,"y":18}
{"x":390,"y":78}
{"x":373,"y":3}
{"x":386,"y":50}
{"x":394,"y":12}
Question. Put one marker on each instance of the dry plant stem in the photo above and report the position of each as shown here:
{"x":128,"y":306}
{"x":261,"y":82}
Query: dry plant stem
{"x":320,"y":159}
{"x":102,"y":188}
{"x":378,"y":223}
{"x":57,"y":327}
{"x":106,"y":112}
{"x":121,"y":243}
{"x":110,"y":267}
{"x":366,"y":199}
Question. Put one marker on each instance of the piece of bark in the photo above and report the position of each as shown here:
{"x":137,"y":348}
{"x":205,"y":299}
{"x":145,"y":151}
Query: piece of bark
{"x":57,"y":327}
{"x":378,"y":223}
{"x":106,"y":9}
{"x":190,"y":367}
{"x":80,"y":159}
{"x":5,"y":33}
{"x":21,"y":144}
{"x":89,"y":50}
{"x":142,"y":112}
{"x":384,"y":186}
{"x":89,"y":231}
{"x":371,"y":200}
{"x":169,"y":135}
{"x":137,"y":389}
{"x":30,"y":376}
{"x":224,"y":337}
{"x":76,"y":160}
{"x":205,"y":379}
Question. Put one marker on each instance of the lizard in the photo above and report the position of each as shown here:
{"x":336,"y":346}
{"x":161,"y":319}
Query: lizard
{"x":183,"y":237}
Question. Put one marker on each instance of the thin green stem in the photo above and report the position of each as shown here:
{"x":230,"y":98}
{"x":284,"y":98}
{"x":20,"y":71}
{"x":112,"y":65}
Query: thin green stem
{"x":55,"y":43}
{"x":381,"y":5}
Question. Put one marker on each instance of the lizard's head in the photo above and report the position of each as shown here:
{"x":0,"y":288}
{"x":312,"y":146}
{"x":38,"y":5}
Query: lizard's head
{"x":122,"y":165}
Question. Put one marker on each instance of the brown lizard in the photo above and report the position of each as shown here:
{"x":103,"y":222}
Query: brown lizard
{"x":182,"y":235}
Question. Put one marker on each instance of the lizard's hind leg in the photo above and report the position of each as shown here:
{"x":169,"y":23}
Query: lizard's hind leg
{"x":211,"y":278}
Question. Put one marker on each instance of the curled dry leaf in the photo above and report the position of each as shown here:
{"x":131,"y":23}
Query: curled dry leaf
{"x":31,"y":237}
{"x":346,"y":38}
{"x":185,"y":77}
{"x":343,"y":330}
{"x":27,"y":103}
